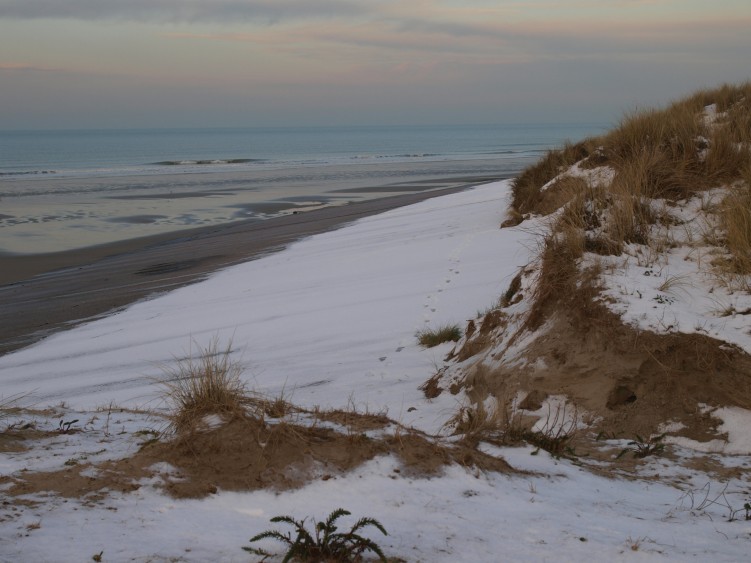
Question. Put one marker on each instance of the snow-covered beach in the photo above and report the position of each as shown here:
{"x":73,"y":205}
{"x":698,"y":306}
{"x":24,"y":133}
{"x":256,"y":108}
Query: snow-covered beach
{"x":330,"y":322}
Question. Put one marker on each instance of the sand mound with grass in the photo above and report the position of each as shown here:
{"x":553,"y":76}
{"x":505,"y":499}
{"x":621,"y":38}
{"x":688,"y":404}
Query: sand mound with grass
{"x":243,"y":452}
{"x":218,"y":435}
{"x":636,"y":308}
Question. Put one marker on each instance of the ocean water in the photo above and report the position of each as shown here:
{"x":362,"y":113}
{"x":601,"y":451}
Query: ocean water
{"x":67,"y":189}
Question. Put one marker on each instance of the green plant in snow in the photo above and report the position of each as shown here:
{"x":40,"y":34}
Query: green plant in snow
{"x":428,"y":338}
{"x":642,"y":448}
{"x":64,"y":426}
{"x":325,"y":543}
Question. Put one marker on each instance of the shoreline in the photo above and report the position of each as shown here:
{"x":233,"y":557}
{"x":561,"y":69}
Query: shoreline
{"x":19,"y":266}
{"x":43,"y":294}
{"x":52,"y":215}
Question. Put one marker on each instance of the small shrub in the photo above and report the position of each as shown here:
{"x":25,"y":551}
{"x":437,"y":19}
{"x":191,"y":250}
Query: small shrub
{"x":701,"y":500}
{"x":642,"y":448}
{"x":428,"y":338}
{"x":65,"y":425}
{"x":746,"y":510}
{"x":203,"y":383}
{"x":325,"y":543}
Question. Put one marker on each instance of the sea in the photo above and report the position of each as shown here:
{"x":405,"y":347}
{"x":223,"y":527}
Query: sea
{"x":67,"y":189}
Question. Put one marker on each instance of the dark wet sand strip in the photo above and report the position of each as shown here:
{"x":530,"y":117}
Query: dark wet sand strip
{"x":42,"y":294}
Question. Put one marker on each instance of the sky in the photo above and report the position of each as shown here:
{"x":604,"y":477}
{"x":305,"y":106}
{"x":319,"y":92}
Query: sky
{"x":204,"y":63}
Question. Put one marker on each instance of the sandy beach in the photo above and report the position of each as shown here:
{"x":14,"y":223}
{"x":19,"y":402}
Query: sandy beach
{"x":44,"y":293}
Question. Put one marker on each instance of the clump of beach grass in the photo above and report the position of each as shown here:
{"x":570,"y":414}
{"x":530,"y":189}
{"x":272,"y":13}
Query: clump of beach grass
{"x":527,"y":188}
{"x":429,"y":338}
{"x":205,"y":381}
{"x":478,"y":421}
{"x":9,"y":405}
{"x":735,"y":216}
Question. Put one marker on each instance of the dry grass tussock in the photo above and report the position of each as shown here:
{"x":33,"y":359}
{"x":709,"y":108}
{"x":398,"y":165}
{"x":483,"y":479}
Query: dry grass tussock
{"x":481,"y":420}
{"x":13,"y":435}
{"x":205,"y":381}
{"x":736,"y":219}
{"x":9,"y":405}
{"x":502,"y":422}
{"x":526,"y":188}
{"x":561,"y":283}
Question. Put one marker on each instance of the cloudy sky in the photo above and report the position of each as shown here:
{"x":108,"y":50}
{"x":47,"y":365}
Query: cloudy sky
{"x":185,"y":63}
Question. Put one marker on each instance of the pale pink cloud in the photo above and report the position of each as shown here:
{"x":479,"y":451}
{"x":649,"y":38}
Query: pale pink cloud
{"x":23,"y":67}
{"x":473,"y":40}
{"x":171,"y":11}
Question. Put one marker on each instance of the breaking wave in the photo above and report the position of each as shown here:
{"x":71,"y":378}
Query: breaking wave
{"x":407,"y":155}
{"x":27,"y":172}
{"x":211,"y":161}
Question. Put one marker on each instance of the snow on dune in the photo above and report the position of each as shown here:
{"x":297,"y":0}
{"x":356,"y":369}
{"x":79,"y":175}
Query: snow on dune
{"x":329,"y":319}
{"x":678,"y":290}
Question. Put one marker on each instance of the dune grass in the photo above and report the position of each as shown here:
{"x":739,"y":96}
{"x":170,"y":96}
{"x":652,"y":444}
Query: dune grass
{"x":9,"y":406}
{"x":205,"y":381}
{"x":526,"y":189}
{"x":736,"y":219}
{"x":668,"y":153}
{"x":657,"y":158}
{"x":429,"y":338}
